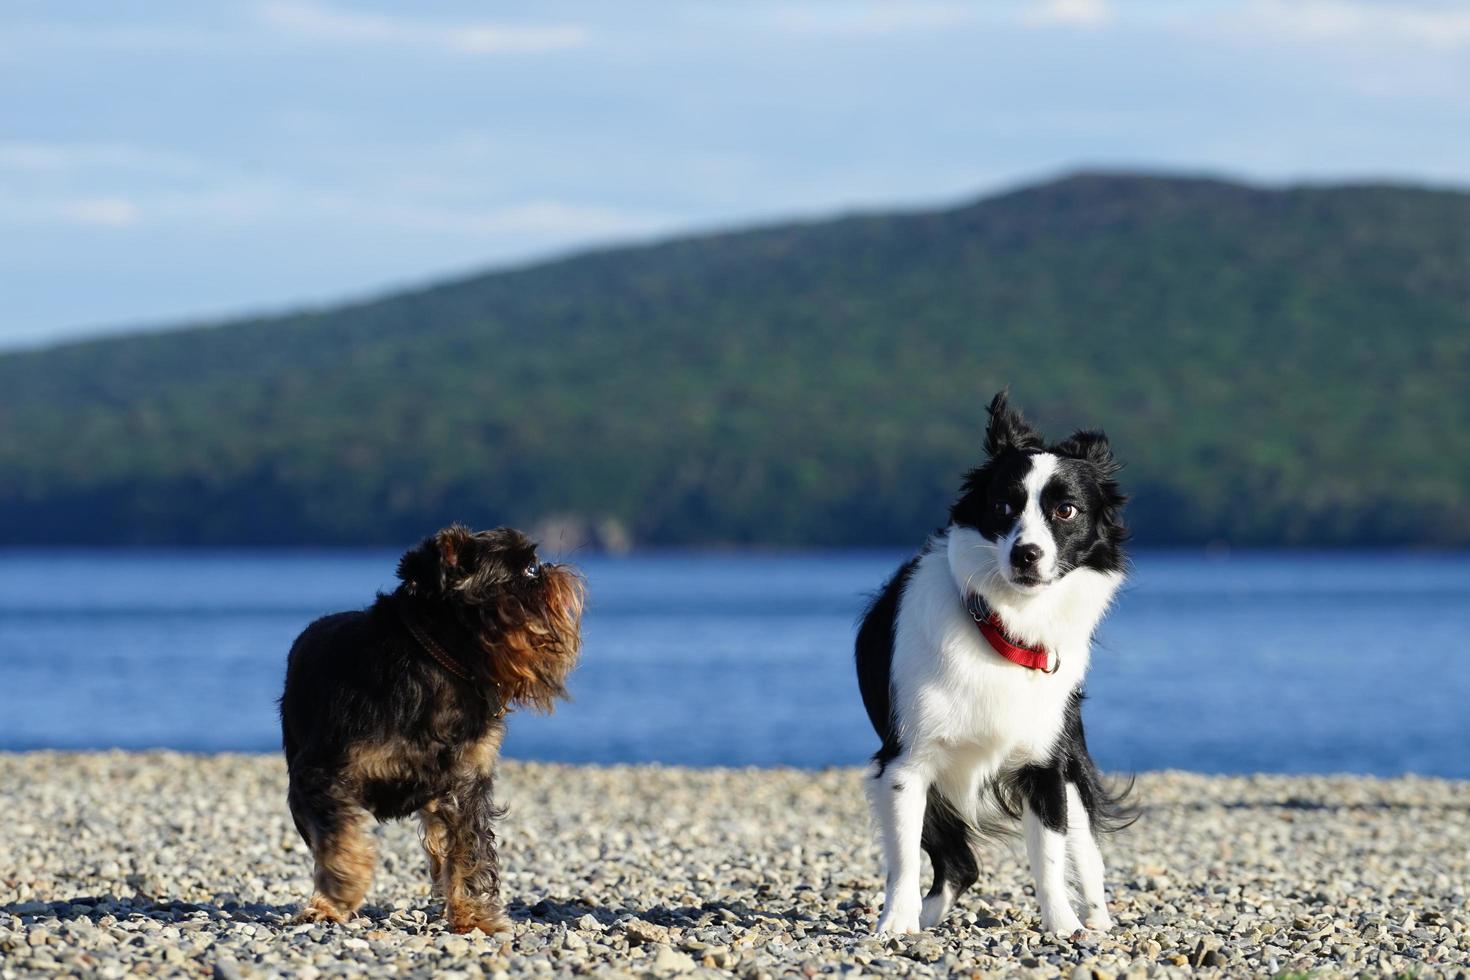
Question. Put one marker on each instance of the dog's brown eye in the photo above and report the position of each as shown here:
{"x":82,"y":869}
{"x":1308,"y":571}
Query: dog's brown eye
{"x":1003,"y":509}
{"x":1065,"y":512}
{"x":532,"y":570}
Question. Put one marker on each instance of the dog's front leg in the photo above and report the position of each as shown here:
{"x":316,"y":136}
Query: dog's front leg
{"x":1087,"y":863}
{"x":469,"y":876}
{"x":1045,"y":819}
{"x":343,"y":854}
{"x":897,"y":796}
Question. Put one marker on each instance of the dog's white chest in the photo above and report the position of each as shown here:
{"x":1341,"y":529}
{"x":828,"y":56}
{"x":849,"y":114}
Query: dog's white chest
{"x":957,"y":694}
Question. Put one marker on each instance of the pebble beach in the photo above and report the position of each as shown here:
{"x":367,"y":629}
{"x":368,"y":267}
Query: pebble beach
{"x":163,"y":864}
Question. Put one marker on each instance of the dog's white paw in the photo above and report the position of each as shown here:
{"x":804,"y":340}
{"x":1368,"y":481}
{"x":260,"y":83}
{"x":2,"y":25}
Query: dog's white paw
{"x":898,"y":920}
{"x":933,"y":911}
{"x":1098,"y":920}
{"x":1060,"y":922}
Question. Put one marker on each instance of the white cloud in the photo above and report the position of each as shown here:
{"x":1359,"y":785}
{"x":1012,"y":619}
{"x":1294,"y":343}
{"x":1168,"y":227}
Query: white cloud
{"x":21,"y":42}
{"x":536,"y":219}
{"x":860,"y":19}
{"x":104,"y":212}
{"x":236,"y":204}
{"x":1069,"y":13}
{"x":36,"y":156}
{"x":1430,"y":25}
{"x":342,"y":26}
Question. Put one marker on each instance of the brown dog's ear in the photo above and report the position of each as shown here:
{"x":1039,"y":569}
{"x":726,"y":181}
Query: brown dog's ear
{"x":421,"y":570}
{"x":426,"y":569}
{"x":451,"y":542}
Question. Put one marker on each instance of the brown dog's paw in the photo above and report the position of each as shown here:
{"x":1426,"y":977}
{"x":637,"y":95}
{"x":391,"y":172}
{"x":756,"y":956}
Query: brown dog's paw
{"x":319,"y":910}
{"x":467,"y":919}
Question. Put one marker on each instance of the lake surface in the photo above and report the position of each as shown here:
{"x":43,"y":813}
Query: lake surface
{"x":1251,"y":662}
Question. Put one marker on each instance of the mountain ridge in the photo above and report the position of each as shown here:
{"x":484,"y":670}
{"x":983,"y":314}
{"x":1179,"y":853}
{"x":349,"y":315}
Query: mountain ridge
{"x":817,"y":383}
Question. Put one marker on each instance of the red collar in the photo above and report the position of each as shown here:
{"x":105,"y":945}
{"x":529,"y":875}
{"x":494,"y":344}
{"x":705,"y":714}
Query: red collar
{"x":995,"y":634}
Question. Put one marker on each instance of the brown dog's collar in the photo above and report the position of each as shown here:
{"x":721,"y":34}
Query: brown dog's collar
{"x":431,"y":647}
{"x":416,"y":628}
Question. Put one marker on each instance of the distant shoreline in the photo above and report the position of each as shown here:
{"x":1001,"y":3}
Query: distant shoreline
{"x":1218,"y":550}
{"x":253,"y":756}
{"x":122,"y":860}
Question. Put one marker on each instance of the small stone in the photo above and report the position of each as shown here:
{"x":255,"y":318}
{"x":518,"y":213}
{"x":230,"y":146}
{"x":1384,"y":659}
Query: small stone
{"x":669,"y":960}
{"x":719,"y":957}
{"x":926,"y":950}
{"x":640,"y":933}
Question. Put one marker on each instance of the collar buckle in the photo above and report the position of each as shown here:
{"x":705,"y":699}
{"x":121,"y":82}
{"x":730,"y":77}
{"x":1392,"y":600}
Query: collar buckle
{"x":1038,"y":659}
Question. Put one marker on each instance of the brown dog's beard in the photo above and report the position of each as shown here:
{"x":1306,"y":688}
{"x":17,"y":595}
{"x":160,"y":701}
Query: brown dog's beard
{"x":531,"y":638}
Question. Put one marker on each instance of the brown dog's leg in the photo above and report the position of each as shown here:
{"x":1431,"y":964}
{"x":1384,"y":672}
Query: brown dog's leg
{"x":435,"y":836}
{"x":470,"y":876}
{"x":344,"y":858}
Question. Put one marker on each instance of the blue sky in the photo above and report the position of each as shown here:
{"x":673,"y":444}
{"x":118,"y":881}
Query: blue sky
{"x":169,"y":160}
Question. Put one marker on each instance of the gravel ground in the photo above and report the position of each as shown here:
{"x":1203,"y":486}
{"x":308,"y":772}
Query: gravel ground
{"x":169,"y":864}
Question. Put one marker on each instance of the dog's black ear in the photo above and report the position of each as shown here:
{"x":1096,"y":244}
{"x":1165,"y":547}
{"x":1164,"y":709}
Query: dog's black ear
{"x":1008,"y":429}
{"x":426,"y":569}
{"x":1093,"y":446}
{"x":420,"y":569}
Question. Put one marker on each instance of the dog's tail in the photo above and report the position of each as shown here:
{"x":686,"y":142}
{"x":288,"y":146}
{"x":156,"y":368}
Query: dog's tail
{"x":1108,"y":802}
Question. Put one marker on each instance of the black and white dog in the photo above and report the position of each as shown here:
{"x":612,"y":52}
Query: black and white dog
{"x":971,"y":662}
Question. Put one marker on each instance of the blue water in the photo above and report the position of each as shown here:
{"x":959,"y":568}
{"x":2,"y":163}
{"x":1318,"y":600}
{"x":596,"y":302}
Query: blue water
{"x":1253,"y":662}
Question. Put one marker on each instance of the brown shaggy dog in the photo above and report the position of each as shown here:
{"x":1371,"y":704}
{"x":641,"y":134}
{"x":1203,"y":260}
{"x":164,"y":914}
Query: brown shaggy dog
{"x":399,"y":709}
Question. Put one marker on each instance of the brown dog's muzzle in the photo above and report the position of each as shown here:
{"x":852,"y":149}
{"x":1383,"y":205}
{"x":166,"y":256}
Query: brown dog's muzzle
{"x":533,"y":637}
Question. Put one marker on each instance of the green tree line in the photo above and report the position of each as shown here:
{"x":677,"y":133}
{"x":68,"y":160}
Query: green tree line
{"x":1275,"y":367}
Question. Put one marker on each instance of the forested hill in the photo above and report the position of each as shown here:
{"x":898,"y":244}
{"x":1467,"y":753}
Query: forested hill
{"x":1275,"y":366}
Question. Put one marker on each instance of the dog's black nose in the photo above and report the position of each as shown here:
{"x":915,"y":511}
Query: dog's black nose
{"x":1025,"y":555}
